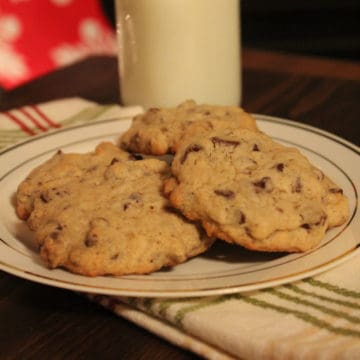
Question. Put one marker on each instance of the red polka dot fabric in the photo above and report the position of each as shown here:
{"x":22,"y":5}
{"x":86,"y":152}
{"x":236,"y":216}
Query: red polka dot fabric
{"x":38,"y":36}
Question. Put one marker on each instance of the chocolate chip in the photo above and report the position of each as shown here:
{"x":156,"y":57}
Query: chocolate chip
{"x":264,"y":183}
{"x":255,"y":148}
{"x":320,"y":222}
{"x":260,"y":183}
{"x":135,"y":157}
{"x":248,"y":231}
{"x":91,"y":240}
{"x":126,"y":206}
{"x":189,"y":149}
{"x":297,"y":186}
{"x":279,"y":167}
{"x":216,"y":140}
{"x":336,"y":191}
{"x":171,"y":210}
{"x":242,"y":218}
{"x":44,"y":198}
{"x":113,"y":161}
{"x":229,"y":194}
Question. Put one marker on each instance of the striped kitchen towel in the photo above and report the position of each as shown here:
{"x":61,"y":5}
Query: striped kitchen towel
{"x":18,"y":124}
{"x":315,"y":318}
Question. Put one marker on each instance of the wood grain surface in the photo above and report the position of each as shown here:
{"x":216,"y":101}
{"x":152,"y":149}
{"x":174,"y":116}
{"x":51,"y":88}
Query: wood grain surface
{"x":41,"y":322}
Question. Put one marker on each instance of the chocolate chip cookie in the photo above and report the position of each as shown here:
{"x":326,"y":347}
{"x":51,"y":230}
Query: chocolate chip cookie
{"x":63,"y":168}
{"x":249,"y":190}
{"x":159,"y":130}
{"x":102,"y":213}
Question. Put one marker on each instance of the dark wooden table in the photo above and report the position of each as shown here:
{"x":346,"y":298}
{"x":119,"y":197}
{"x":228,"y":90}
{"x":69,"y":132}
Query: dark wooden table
{"x":41,"y":322}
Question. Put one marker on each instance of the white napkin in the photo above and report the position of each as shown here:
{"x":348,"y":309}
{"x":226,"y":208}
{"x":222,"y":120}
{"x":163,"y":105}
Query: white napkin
{"x":316,"y":318}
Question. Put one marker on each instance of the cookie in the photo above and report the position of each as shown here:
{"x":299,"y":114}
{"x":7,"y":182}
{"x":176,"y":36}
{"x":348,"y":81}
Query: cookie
{"x":110,"y":219}
{"x":62,"y":168}
{"x":249,"y":190}
{"x":159,"y":130}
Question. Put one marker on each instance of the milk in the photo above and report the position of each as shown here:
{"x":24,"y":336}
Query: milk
{"x":173,"y":50}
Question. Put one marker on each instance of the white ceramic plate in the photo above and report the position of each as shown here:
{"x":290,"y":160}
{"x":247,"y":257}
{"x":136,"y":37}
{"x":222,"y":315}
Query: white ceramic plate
{"x":223,"y":269}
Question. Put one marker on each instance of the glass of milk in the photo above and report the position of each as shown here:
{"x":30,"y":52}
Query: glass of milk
{"x":174,"y":50}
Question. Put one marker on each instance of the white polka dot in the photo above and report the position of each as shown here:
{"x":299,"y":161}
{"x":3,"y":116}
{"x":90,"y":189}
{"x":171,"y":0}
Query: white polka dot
{"x":89,"y":29}
{"x":10,"y":28}
{"x":61,"y":2}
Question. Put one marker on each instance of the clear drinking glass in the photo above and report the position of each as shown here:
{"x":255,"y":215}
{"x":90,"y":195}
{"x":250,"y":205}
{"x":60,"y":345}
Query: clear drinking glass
{"x":174,"y":50}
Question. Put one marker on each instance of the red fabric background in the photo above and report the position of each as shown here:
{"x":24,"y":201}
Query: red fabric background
{"x":44,"y":26}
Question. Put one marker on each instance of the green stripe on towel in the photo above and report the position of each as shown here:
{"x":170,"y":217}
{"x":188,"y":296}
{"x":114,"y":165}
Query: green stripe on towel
{"x":308,"y":318}
{"x":322,"y":308}
{"x":333,"y":288}
{"x":303,"y":316}
{"x":300,"y":291}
